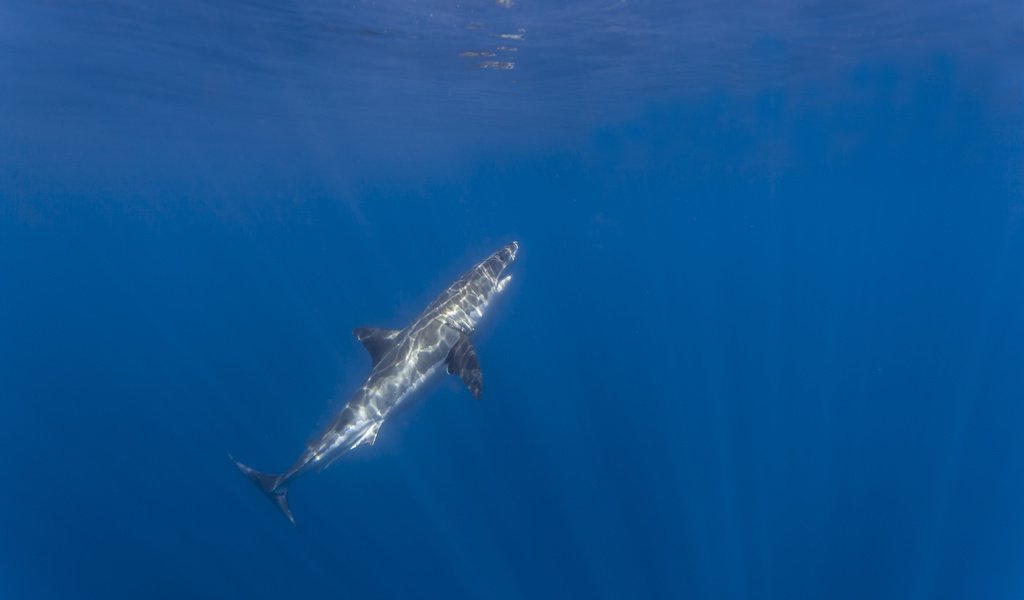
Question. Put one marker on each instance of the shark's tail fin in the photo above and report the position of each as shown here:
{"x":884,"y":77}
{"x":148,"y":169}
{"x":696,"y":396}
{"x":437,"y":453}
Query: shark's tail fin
{"x":269,"y":485}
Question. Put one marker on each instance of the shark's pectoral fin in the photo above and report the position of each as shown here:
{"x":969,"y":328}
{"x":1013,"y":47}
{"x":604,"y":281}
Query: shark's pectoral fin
{"x":462,"y":360}
{"x":377,"y":341}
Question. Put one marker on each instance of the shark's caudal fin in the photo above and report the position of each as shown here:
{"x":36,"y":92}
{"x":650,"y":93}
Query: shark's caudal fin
{"x":268,"y":484}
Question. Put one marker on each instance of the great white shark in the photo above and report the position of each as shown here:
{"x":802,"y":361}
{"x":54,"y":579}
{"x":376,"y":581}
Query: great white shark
{"x":404,"y":362}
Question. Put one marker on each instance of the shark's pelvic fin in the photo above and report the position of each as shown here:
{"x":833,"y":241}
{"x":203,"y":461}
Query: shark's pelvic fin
{"x":462,"y":360}
{"x":377,"y":341}
{"x":268,"y":484}
{"x":369,"y":437}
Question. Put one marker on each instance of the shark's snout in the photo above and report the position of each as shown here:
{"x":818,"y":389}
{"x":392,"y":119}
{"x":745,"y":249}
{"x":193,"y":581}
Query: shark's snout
{"x":497,"y":263}
{"x":508,"y":253}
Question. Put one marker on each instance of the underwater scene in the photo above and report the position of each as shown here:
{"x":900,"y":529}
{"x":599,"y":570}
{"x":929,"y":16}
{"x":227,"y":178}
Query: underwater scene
{"x":512,"y":299}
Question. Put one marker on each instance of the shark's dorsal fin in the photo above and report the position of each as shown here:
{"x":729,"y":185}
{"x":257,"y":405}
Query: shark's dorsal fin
{"x":377,"y":341}
{"x":462,"y":361}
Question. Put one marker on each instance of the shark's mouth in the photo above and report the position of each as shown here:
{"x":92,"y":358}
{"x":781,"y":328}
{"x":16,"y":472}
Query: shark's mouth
{"x":501,"y":284}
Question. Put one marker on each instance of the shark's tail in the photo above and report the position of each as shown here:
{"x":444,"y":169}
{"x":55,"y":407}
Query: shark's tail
{"x":269,"y":485}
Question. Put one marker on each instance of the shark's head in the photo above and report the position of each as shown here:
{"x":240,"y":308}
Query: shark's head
{"x":507,"y":255}
{"x":488,"y":278}
{"x":475,"y":289}
{"x":497,"y":263}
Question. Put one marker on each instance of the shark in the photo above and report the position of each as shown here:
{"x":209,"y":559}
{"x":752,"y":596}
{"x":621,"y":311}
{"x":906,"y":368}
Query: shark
{"x":405,"y":361}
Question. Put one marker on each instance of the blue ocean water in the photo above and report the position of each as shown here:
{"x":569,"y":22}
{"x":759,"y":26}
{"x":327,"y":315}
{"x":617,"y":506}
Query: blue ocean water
{"x":764,"y":337}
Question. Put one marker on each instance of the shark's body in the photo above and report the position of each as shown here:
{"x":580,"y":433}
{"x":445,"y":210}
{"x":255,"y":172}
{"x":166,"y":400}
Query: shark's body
{"x":404,"y":361}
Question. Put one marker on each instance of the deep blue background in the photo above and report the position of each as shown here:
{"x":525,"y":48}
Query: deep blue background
{"x":764,"y":337}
